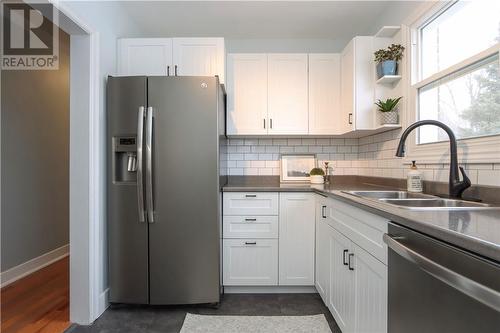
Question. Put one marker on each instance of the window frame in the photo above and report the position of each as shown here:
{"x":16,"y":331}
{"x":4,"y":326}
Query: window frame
{"x":484,"y":149}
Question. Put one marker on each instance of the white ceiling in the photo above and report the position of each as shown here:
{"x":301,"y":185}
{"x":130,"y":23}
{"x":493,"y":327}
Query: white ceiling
{"x":340,"y":20}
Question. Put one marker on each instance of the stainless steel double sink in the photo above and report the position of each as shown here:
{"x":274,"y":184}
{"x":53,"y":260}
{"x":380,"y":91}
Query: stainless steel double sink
{"x":419,"y":201}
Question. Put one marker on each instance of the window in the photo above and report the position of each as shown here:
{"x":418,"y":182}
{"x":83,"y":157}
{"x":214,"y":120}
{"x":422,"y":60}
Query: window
{"x":460,"y":31}
{"x":468,"y":101}
{"x":458,"y":81}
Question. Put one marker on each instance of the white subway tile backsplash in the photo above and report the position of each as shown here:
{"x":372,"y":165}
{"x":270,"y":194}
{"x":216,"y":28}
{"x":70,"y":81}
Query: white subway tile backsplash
{"x":323,"y":142}
{"x":251,"y":157}
{"x":368,"y":156}
{"x":272,"y":149}
{"x":308,"y":142}
{"x":265,"y":142}
{"x":488,"y":177}
{"x":280,"y":142}
{"x":242,"y":149}
{"x":258,"y":164}
{"x":259,"y":149}
{"x":294,"y":142}
{"x":287,"y":149}
{"x":315,"y":149}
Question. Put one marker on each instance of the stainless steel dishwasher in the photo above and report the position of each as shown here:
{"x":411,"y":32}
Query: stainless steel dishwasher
{"x":435,"y":287}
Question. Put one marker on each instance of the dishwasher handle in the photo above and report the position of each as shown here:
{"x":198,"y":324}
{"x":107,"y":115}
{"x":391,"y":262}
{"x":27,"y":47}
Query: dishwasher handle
{"x":479,"y":292}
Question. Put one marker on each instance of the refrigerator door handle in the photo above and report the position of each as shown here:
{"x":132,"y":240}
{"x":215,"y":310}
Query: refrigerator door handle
{"x":149,"y":164}
{"x":140,"y":185}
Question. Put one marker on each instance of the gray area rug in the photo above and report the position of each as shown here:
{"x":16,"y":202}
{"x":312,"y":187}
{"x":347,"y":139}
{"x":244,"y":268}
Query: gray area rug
{"x":255,"y":324}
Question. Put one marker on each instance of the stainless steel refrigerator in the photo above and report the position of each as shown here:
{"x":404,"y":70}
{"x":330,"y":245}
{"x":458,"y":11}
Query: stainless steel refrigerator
{"x":163,"y":188}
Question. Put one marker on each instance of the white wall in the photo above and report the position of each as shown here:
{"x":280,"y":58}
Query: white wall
{"x":108,"y":21}
{"x":284,"y":45}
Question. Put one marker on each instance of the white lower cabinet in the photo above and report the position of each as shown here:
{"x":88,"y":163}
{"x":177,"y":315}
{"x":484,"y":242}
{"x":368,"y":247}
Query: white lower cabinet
{"x":340,"y":300}
{"x":357,"y":280}
{"x":296,"y":240}
{"x":322,"y":252}
{"x":370,"y":289}
{"x":268,"y":239}
{"x":250,"y":262}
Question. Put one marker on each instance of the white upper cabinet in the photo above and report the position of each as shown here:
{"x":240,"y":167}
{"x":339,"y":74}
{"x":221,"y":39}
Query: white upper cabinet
{"x":171,"y":56}
{"x":296,"y":239}
{"x":199,"y":57}
{"x":247,"y":94}
{"x":357,"y":85}
{"x":145,"y":56}
{"x":324,"y":94}
{"x":288,"y":94}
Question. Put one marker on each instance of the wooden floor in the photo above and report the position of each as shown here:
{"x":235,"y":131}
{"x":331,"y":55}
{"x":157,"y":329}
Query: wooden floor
{"x":39,"y":302}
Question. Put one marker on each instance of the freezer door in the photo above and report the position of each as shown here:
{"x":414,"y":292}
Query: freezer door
{"x":184,"y":235}
{"x":127,"y":235}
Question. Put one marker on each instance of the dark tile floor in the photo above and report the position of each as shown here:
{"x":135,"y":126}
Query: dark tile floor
{"x":166,"y":319}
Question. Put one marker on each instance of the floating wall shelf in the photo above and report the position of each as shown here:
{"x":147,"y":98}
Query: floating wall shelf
{"x":388,"y":31}
{"x":389,"y":79}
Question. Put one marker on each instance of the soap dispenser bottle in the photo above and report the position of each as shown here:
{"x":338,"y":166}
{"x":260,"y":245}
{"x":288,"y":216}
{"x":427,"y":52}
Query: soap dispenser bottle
{"x":414,"y":179}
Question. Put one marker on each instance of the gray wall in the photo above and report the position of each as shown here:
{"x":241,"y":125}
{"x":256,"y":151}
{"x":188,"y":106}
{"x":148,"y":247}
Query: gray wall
{"x":35,"y":161}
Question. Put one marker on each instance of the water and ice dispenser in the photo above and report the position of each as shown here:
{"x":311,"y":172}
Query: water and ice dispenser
{"x":125,"y":159}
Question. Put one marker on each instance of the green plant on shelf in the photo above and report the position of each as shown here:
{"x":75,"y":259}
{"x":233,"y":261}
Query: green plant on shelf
{"x":317,"y":172}
{"x":389,"y":105}
{"x":393,"y":52}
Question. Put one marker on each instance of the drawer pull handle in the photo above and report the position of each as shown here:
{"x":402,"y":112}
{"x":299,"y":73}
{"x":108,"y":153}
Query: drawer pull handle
{"x":343,"y":257}
{"x":323,"y":211}
{"x":251,"y":195}
{"x":351,"y":255}
{"x":250,"y":220}
{"x":250,"y":243}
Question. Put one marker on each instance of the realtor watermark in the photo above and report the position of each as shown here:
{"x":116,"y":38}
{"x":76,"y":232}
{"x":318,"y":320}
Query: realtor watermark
{"x":30,"y":36}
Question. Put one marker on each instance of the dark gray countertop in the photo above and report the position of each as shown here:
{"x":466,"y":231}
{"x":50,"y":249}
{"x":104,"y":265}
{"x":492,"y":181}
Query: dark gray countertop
{"x":477,"y":231}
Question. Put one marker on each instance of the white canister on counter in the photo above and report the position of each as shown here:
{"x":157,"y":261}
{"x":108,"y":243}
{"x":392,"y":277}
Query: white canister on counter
{"x":414,"y":179}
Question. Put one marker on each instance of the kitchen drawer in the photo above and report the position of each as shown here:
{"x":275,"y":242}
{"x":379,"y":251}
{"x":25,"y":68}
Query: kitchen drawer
{"x":363,"y":228}
{"x":250,"y":262}
{"x":250,"y":203}
{"x":250,"y":226}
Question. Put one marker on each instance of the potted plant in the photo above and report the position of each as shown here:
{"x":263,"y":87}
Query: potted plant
{"x":317,"y":176}
{"x":387,"y":59}
{"x":388,"y":110}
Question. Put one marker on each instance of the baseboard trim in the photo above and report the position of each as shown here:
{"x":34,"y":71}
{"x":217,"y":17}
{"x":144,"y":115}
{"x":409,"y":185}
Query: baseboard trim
{"x":270,"y":290}
{"x":15,"y":273}
{"x":103,"y":302}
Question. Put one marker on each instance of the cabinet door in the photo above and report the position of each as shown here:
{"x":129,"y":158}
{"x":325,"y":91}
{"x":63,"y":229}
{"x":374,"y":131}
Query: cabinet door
{"x":370,"y":289}
{"x":296,"y":239}
{"x":199,"y":57}
{"x":324,"y":93}
{"x":322,"y":264}
{"x":347,"y":104}
{"x":145,"y":56}
{"x":250,"y":262}
{"x":288,"y":90}
{"x":340,"y":300}
{"x":247,"y":94}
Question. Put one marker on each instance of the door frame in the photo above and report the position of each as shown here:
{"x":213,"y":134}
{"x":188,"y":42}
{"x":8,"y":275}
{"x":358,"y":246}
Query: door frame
{"x":86,"y":219}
